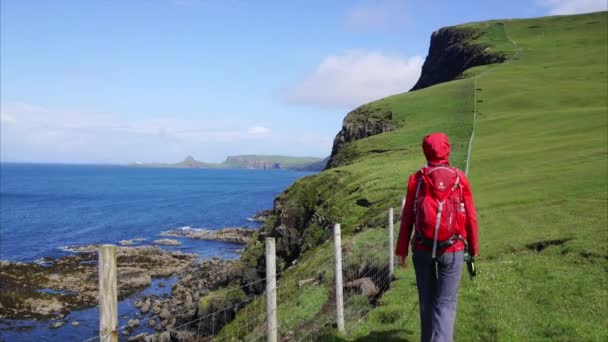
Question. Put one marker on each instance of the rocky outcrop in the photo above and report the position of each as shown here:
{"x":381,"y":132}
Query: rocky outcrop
{"x":261,"y":216}
{"x":167,"y":242}
{"x":452,"y":51}
{"x":235,"y":235}
{"x":131,"y":241}
{"x":363,"y":286}
{"x":361,"y":123}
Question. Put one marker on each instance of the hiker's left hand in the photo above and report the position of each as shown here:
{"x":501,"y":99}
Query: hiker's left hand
{"x":402,"y":262}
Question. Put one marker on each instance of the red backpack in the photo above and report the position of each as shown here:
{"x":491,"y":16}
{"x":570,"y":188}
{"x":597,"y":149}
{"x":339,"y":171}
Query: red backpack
{"x":437,"y":207}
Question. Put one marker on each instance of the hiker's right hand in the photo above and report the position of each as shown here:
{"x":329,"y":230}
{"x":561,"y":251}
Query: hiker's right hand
{"x":402,"y":261}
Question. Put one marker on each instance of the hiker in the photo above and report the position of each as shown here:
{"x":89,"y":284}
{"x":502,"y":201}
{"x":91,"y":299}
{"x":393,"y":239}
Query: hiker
{"x":439,"y":208}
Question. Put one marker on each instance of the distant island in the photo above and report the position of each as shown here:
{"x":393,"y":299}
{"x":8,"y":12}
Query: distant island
{"x":262,"y":162}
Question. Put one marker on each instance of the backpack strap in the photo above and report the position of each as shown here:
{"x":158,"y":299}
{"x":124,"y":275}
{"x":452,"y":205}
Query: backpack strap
{"x":437,"y":223}
{"x":418,"y":186}
{"x":420,"y":173}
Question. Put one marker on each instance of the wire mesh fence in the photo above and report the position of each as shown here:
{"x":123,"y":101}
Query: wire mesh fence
{"x":305,"y":295}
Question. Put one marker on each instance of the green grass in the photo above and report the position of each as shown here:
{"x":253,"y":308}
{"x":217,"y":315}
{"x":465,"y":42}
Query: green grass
{"x":538,"y":169}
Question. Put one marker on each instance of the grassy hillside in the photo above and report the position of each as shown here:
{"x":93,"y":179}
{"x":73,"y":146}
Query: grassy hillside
{"x":538,"y":168}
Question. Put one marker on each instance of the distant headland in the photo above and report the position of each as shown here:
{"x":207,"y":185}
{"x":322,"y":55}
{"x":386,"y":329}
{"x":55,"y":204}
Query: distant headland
{"x":263,"y":162}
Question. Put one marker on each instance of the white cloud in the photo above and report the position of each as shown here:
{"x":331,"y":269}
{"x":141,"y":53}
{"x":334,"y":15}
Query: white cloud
{"x":258,"y":130}
{"x":376,"y":14}
{"x":68,"y":135}
{"x":357,"y":77}
{"x":6,"y":118}
{"x":559,"y":7}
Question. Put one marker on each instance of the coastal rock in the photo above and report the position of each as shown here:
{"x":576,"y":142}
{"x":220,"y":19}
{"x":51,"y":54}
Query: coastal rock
{"x":235,"y":235}
{"x":44,"y":306}
{"x":167,"y":242}
{"x":364,"y":286}
{"x":132,"y":323}
{"x":133,"y":278}
{"x":138,"y":338}
{"x":164,"y":314}
{"x":75,"y":323}
{"x":56,"y":325}
{"x":261,"y":216}
{"x":145,"y":306}
{"x":131,"y":241}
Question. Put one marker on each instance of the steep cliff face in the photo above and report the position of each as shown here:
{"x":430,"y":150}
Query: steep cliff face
{"x":302,"y":218}
{"x":451,"y":52}
{"x":361,"y":123}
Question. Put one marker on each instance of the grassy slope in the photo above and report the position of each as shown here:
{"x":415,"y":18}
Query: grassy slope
{"x":538,"y":169}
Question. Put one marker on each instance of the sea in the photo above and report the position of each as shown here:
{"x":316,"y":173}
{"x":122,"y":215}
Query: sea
{"x":44,"y":209}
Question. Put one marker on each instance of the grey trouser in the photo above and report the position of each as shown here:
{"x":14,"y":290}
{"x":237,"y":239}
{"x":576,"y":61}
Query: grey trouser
{"x":437,"y":293}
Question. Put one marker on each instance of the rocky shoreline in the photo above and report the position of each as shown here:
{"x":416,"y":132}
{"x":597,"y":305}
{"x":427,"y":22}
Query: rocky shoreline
{"x":234,"y":235}
{"x":51,"y":288}
{"x":54,"y":287}
{"x":182,"y":306}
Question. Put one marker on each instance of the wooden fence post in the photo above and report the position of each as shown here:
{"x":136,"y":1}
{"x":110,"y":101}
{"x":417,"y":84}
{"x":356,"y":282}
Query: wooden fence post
{"x":338,"y":276}
{"x":108,"y":308}
{"x":271,"y":290}
{"x":391,"y":252}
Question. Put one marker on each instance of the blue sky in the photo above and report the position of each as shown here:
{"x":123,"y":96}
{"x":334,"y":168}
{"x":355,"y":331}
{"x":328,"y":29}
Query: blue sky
{"x":156,"y":80}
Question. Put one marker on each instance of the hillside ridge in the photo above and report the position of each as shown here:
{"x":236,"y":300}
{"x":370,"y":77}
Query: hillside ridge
{"x":452,"y":50}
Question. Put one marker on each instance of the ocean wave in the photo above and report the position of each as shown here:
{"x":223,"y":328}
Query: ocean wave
{"x":80,"y":249}
{"x":43,"y":262}
{"x":67,"y":249}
